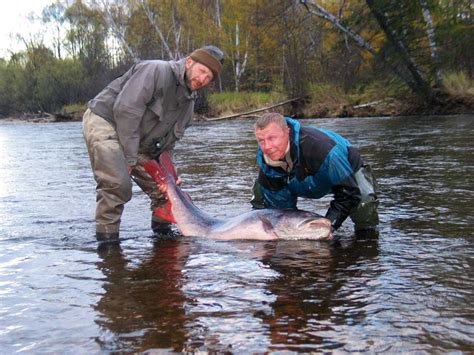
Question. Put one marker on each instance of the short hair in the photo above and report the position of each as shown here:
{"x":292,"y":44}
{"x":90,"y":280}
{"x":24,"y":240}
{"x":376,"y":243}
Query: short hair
{"x":271,"y":117}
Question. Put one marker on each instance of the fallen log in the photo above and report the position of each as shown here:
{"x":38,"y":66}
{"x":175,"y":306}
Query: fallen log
{"x":369,"y":104}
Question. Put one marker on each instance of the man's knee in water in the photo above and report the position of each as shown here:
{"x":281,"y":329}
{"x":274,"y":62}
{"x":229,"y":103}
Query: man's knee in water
{"x":257,"y":201}
{"x":365,"y":215}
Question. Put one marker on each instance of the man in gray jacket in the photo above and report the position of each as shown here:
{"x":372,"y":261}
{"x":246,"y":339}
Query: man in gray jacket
{"x":134,"y":119}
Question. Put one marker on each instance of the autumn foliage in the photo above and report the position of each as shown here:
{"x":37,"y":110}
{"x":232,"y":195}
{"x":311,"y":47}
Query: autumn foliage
{"x":274,"y":46}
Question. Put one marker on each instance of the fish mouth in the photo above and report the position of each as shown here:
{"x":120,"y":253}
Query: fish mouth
{"x":311,"y":223}
{"x":310,"y":226}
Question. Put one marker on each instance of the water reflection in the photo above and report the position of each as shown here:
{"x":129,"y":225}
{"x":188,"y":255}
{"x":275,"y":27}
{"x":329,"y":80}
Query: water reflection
{"x":142,"y":306}
{"x":410,"y":291}
{"x":226,"y":288}
{"x":312,"y":297}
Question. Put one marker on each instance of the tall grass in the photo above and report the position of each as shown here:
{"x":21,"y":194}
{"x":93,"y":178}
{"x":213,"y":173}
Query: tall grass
{"x":74,"y":108}
{"x":236,"y":102}
{"x":325,"y":100}
{"x":458,"y":84}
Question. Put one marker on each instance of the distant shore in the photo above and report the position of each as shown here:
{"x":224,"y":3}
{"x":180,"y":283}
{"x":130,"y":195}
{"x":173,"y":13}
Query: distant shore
{"x":380,"y":108}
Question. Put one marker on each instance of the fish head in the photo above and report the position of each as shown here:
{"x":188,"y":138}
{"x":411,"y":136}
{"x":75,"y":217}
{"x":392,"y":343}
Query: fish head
{"x":302,"y":225}
{"x":315,"y":227}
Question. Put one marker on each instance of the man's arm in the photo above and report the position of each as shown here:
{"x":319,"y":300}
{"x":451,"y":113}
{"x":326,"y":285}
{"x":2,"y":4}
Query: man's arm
{"x":346,"y":197}
{"x":130,"y":106}
{"x":272,"y":193}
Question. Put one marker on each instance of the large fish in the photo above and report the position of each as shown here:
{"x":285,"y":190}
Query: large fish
{"x":264,"y":224}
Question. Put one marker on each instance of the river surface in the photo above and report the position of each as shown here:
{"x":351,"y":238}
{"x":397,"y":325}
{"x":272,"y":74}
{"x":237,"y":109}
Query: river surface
{"x":409,"y":290}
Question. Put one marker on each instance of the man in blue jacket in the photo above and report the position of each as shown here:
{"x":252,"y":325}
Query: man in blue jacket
{"x":301,"y":161}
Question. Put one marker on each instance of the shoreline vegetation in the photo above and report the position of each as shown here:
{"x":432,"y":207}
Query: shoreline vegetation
{"x":323,"y":101}
{"x":389,"y":107}
{"x":304,"y":59}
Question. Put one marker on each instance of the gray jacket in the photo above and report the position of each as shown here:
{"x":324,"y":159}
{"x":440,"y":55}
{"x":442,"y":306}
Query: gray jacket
{"x":149,"y":103}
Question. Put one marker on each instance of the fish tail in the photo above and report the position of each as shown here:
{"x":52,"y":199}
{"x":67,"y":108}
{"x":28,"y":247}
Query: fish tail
{"x":167,"y":163}
{"x":162,"y":169}
{"x":163,"y":172}
{"x":165,"y":212}
{"x":156,"y":171}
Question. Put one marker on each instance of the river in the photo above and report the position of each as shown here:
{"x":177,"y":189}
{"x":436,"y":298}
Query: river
{"x":409,"y":290}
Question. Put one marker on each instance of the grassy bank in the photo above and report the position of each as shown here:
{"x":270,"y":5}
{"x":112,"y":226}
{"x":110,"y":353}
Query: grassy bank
{"x":374,"y":99}
{"x":227,"y":103}
{"x":322,"y":100}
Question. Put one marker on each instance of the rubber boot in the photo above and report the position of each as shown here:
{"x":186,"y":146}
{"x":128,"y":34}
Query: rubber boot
{"x":103,"y":237}
{"x":161,"y":228}
{"x":368,"y":232}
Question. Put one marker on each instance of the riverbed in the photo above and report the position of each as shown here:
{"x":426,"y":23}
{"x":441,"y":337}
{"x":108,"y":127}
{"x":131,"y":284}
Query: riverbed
{"x":409,"y":290}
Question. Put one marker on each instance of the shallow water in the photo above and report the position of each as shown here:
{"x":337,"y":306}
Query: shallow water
{"x":410,"y":290}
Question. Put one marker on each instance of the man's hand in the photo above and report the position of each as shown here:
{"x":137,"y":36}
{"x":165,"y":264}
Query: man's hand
{"x":163,"y":187}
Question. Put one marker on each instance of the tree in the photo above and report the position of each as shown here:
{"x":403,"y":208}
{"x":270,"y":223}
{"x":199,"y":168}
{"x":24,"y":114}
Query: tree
{"x":153,"y":17}
{"x":393,"y":31}
{"x":430,"y":34}
{"x":397,"y":20}
{"x":116,"y":15}
{"x":86,"y":41}
{"x":54,"y":13}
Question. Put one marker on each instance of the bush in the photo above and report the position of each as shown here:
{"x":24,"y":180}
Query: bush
{"x":458,"y":84}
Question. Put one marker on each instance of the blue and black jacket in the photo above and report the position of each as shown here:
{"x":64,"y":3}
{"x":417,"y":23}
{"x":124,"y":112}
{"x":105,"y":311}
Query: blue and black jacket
{"x":323,"y":163}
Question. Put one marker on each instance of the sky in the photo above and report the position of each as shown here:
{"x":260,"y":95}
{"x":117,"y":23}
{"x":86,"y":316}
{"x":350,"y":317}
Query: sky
{"x":14,"y":19}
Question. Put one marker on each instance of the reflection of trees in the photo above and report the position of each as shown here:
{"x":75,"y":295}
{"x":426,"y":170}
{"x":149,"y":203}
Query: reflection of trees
{"x":142,"y":306}
{"x":316,"y":291}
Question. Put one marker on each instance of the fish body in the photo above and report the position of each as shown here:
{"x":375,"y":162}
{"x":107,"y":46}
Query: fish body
{"x":262,"y":224}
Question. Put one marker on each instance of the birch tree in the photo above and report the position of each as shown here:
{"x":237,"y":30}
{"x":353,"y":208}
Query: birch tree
{"x":430,"y":34}
{"x":415,"y":80}
{"x":55,"y":13}
{"x":239,"y":60}
{"x":236,"y":24}
{"x":422,"y":86}
{"x":115,"y":15}
{"x":153,"y":18}
{"x":321,"y":12}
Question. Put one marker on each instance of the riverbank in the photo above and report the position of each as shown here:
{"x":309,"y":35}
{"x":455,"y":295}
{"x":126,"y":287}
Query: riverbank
{"x":43,"y":117}
{"x":325,"y":101}
{"x":407,"y":106}
{"x":312,"y":106}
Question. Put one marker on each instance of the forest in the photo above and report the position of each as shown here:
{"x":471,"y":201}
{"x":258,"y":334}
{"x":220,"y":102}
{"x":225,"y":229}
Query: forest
{"x":334,"y":57}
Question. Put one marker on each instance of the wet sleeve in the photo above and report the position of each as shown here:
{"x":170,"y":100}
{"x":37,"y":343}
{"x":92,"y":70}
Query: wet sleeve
{"x":282,"y":198}
{"x":275,"y":193}
{"x":344,"y":187}
{"x":130,"y":106}
{"x":346,"y":197}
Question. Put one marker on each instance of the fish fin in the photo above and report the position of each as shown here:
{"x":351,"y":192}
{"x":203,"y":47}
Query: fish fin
{"x":162,"y":168}
{"x":156,"y":171}
{"x":161,"y":172}
{"x":268,"y":226}
{"x":165,"y":212}
{"x":167,"y":163}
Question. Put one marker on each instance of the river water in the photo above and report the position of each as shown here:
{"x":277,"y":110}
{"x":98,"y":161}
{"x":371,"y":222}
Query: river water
{"x":409,"y":290}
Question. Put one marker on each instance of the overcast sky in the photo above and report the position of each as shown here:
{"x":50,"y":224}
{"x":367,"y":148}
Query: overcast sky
{"x":13,"y":20}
